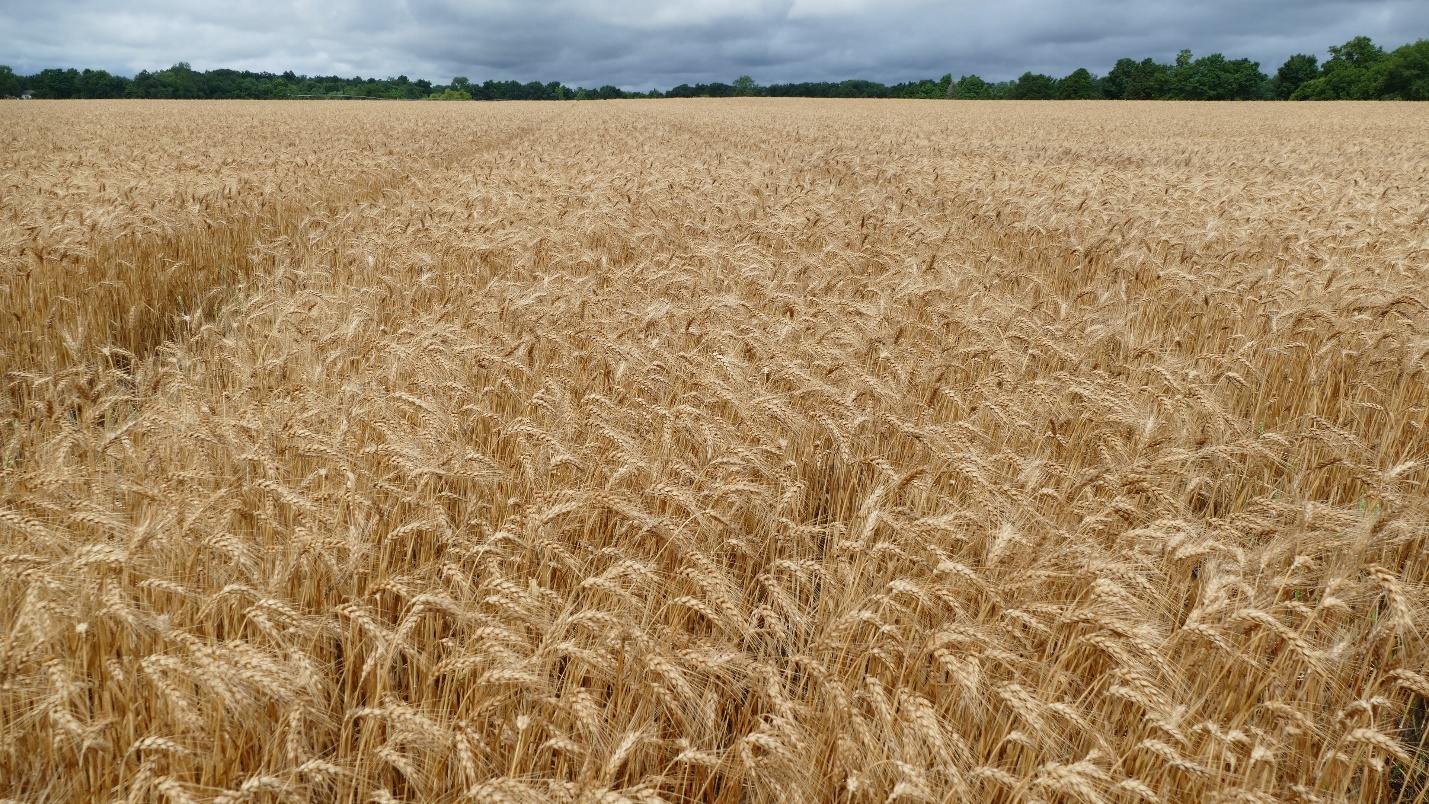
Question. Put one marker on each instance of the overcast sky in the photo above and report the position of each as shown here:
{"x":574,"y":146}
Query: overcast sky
{"x":643,"y":44}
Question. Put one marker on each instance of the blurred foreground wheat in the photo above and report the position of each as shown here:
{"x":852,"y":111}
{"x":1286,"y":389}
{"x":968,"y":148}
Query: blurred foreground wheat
{"x":714,"y":451}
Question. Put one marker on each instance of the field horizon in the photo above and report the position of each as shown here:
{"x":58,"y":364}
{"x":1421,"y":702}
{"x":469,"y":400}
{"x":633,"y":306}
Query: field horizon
{"x":714,"y":450}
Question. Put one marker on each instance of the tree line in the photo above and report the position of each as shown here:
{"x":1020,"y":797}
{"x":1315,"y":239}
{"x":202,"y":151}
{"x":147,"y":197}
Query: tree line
{"x":1356,"y":70}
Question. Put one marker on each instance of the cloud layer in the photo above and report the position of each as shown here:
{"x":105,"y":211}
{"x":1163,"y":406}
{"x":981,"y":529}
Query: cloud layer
{"x":640,"y":44}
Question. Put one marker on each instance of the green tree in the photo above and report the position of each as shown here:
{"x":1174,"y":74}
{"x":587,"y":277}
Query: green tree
{"x":745,"y":87}
{"x":1114,"y":85}
{"x":1215,"y":77}
{"x":926,"y":89}
{"x":1356,"y":70}
{"x":179,"y":81}
{"x":1133,"y":80}
{"x":185,"y":81}
{"x":1406,"y":72}
{"x":9,"y":83}
{"x":860,"y":88}
{"x":1358,"y":52}
{"x":1034,"y":86}
{"x":970,"y":87}
{"x":1080,"y":85}
{"x":139,"y":85}
{"x":54,"y":83}
{"x":99,"y":84}
{"x":1296,"y":70}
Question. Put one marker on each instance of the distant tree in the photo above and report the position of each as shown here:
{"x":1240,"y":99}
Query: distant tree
{"x":853,"y":88}
{"x":1133,"y":80}
{"x":1214,"y":77}
{"x":1114,"y":85}
{"x":1355,"y":70}
{"x":1358,"y":52}
{"x":9,"y":83}
{"x":971,"y":87}
{"x":1406,"y":74}
{"x":1080,"y":85}
{"x":804,"y":90}
{"x":226,"y":84}
{"x":859,"y":88}
{"x":716,"y":90}
{"x":925,"y":89}
{"x":179,"y":81}
{"x":1315,"y":89}
{"x":187,"y":83}
{"x":54,"y":83}
{"x":495,"y":90}
{"x":1150,"y":81}
{"x":139,"y":85}
{"x":1358,"y":69}
{"x":1034,"y":86}
{"x":99,"y":84}
{"x":1293,"y":73}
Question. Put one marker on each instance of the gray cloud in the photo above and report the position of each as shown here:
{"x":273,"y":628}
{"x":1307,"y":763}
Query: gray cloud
{"x":639,"y":44}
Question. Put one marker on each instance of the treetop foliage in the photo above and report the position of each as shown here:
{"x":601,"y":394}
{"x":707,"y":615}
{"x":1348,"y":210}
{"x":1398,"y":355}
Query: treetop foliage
{"x":1356,"y":70}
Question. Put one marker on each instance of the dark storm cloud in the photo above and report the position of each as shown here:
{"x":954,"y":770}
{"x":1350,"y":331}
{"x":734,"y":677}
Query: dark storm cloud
{"x":639,"y":44}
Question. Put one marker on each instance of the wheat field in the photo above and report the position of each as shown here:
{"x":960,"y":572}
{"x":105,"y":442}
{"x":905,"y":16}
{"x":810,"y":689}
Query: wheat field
{"x":714,"y":451}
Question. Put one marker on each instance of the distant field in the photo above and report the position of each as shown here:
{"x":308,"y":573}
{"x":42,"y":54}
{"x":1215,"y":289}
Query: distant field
{"x":727,"y":451}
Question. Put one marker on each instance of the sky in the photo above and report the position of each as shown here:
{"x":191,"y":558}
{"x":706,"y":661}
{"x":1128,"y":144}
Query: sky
{"x":645,"y":44}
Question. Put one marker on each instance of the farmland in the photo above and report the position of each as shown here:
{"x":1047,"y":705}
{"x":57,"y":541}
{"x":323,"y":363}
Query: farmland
{"x":746,"y":450}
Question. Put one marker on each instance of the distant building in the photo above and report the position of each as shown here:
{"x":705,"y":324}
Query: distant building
{"x":27,"y":94}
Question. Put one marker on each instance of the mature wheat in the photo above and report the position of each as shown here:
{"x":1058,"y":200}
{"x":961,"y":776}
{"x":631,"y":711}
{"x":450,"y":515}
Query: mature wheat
{"x":714,"y":451}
